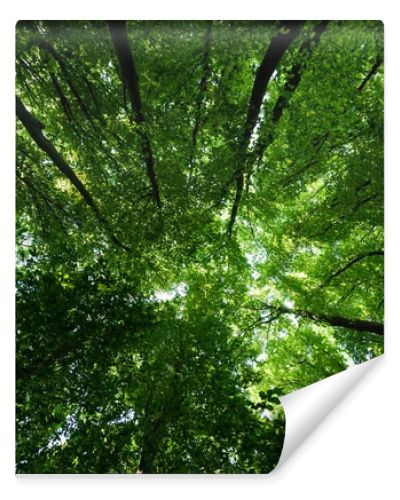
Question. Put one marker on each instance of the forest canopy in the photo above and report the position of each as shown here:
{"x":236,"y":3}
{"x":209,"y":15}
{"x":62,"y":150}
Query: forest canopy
{"x":199,"y":231}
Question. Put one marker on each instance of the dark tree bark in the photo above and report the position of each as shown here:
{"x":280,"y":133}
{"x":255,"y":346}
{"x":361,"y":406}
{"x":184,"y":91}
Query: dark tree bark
{"x":34,"y":128}
{"x":130,"y":78}
{"x":63,"y":99}
{"x":292,"y":81}
{"x":92,"y":92}
{"x":261,"y":147}
{"x":51,"y":50}
{"x":353,"y":261}
{"x":296,"y":70}
{"x":273,"y":55}
{"x":202,"y":90}
{"x":33,"y":188}
{"x":371,"y":73}
{"x":353,"y":324}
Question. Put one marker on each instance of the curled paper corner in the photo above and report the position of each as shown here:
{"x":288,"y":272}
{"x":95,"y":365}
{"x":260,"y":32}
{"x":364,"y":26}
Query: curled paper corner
{"x":308,"y":407}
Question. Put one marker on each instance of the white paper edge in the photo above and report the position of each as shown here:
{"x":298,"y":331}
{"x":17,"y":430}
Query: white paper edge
{"x":307,"y":408}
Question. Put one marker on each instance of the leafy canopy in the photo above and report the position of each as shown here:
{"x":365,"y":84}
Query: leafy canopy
{"x":199,"y":231}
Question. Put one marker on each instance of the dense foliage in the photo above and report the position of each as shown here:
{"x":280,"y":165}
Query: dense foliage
{"x":199,"y":231}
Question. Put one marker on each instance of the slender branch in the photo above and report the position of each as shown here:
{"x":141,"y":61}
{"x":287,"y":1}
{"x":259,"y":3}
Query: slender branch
{"x":34,"y":128}
{"x":51,"y":50}
{"x":49,"y":201}
{"x":353,"y":261}
{"x":51,"y":204}
{"x":290,"y":86}
{"x":371,"y":73}
{"x":92,"y":92}
{"x":359,"y":325}
{"x":273,"y":55}
{"x":202,"y":90}
{"x":271,"y":59}
{"x":342,"y":218}
{"x":262,"y":146}
{"x":61,"y":95}
{"x":296,"y":70}
{"x":313,"y":161}
{"x":292,"y":81}
{"x":130,"y":78}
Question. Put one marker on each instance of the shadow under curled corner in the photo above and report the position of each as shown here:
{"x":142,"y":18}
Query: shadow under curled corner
{"x":308,"y":407}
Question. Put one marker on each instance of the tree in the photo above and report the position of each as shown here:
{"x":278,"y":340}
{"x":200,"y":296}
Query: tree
{"x":199,"y":231}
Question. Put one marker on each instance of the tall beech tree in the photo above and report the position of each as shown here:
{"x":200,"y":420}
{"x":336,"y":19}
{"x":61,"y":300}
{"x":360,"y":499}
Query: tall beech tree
{"x":199,"y":231}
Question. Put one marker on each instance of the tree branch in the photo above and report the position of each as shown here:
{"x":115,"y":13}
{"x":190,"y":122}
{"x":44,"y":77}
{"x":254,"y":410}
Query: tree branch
{"x":130,"y":77}
{"x":371,"y":73}
{"x":34,"y":128}
{"x":278,"y":107}
{"x":353,"y":324}
{"x":61,"y":95}
{"x":353,"y":261}
{"x":273,"y":55}
{"x":51,"y":50}
{"x":202,"y":89}
{"x":292,"y":81}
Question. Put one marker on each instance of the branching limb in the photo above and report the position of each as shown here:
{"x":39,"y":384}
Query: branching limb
{"x":130,"y":78}
{"x":371,"y":73}
{"x":51,"y":50}
{"x":202,"y":91}
{"x":292,"y":82}
{"x":353,"y":261}
{"x":34,"y":127}
{"x":359,"y":325}
{"x":273,"y":55}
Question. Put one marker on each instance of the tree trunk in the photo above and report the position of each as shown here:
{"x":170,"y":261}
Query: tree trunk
{"x":353,"y":324}
{"x":34,"y":128}
{"x":275,"y":51}
{"x":130,"y":77}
